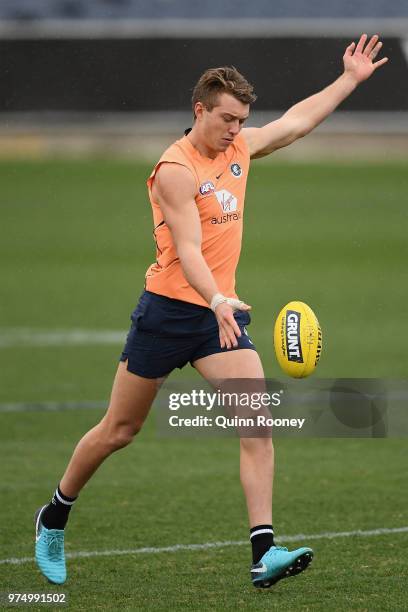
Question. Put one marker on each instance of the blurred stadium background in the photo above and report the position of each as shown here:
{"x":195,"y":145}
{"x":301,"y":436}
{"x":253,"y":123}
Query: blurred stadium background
{"x":114,"y":76}
{"x":92,"y":92}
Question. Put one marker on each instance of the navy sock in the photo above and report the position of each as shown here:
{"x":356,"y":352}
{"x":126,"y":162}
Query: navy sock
{"x":261,"y":538}
{"x":55,"y":515}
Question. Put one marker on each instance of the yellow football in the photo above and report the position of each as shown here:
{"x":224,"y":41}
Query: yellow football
{"x":298,"y":339}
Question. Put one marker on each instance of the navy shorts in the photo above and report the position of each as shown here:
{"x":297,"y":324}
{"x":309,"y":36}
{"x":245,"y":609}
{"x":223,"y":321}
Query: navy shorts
{"x":166,"y":334}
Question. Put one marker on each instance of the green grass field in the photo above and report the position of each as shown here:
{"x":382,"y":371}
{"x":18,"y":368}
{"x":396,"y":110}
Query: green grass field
{"x":75,"y":242}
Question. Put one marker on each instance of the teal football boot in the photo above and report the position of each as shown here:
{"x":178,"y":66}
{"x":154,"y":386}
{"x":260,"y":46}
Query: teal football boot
{"x":49,"y":550}
{"x":278,"y":563}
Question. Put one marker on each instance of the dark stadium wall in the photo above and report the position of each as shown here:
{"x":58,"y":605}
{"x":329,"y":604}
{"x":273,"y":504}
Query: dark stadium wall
{"x":158,"y":74}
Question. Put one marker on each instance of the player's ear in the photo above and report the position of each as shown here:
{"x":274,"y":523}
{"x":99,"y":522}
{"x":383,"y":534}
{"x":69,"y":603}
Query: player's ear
{"x":199,"y":110}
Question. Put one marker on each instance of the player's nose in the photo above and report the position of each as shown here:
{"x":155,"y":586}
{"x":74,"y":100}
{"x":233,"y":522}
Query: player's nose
{"x":234,"y":128}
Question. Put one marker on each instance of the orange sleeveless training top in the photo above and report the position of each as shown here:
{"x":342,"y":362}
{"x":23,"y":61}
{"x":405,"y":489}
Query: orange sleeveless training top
{"x":220,"y":197}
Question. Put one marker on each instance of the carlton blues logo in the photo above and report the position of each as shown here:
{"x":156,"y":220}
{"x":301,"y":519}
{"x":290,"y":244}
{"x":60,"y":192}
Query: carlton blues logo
{"x":236,"y":170}
{"x":293,"y":336}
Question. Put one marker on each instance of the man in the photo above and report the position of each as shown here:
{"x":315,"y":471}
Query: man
{"x":190,"y":311}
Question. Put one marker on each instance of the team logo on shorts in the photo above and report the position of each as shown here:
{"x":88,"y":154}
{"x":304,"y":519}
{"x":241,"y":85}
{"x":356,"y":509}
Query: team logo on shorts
{"x":207,"y":188}
{"x":236,"y":170}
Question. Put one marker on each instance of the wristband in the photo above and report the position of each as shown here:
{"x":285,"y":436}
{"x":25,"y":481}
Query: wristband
{"x":217,"y":299}
{"x":221,"y":299}
{"x":235,"y":304}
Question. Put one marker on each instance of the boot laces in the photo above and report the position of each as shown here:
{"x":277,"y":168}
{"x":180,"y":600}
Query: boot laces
{"x":55,"y":542}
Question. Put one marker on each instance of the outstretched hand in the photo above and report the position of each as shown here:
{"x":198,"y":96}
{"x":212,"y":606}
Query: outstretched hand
{"x":359,"y":60}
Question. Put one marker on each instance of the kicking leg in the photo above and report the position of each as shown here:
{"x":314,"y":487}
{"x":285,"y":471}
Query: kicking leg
{"x":256,"y":454}
{"x":270,"y":562}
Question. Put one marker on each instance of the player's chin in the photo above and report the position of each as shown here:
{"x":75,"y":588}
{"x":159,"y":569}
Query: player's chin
{"x":225,"y":143}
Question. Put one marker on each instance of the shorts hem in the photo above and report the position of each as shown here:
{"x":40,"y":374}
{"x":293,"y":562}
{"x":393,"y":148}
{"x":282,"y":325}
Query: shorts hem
{"x":208,"y":352}
{"x":142,"y":373}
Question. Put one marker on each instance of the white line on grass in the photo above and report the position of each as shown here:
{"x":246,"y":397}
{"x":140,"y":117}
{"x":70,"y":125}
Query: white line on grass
{"x":27,"y":336}
{"x":54,"y":406}
{"x":51,"y":406}
{"x":328,"y":535}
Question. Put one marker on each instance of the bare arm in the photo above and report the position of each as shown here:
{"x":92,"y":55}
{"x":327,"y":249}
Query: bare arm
{"x":303,"y":117}
{"x":174,"y":189}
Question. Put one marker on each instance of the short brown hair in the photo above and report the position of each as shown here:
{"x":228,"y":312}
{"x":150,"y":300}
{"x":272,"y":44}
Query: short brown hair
{"x":215,"y":81}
